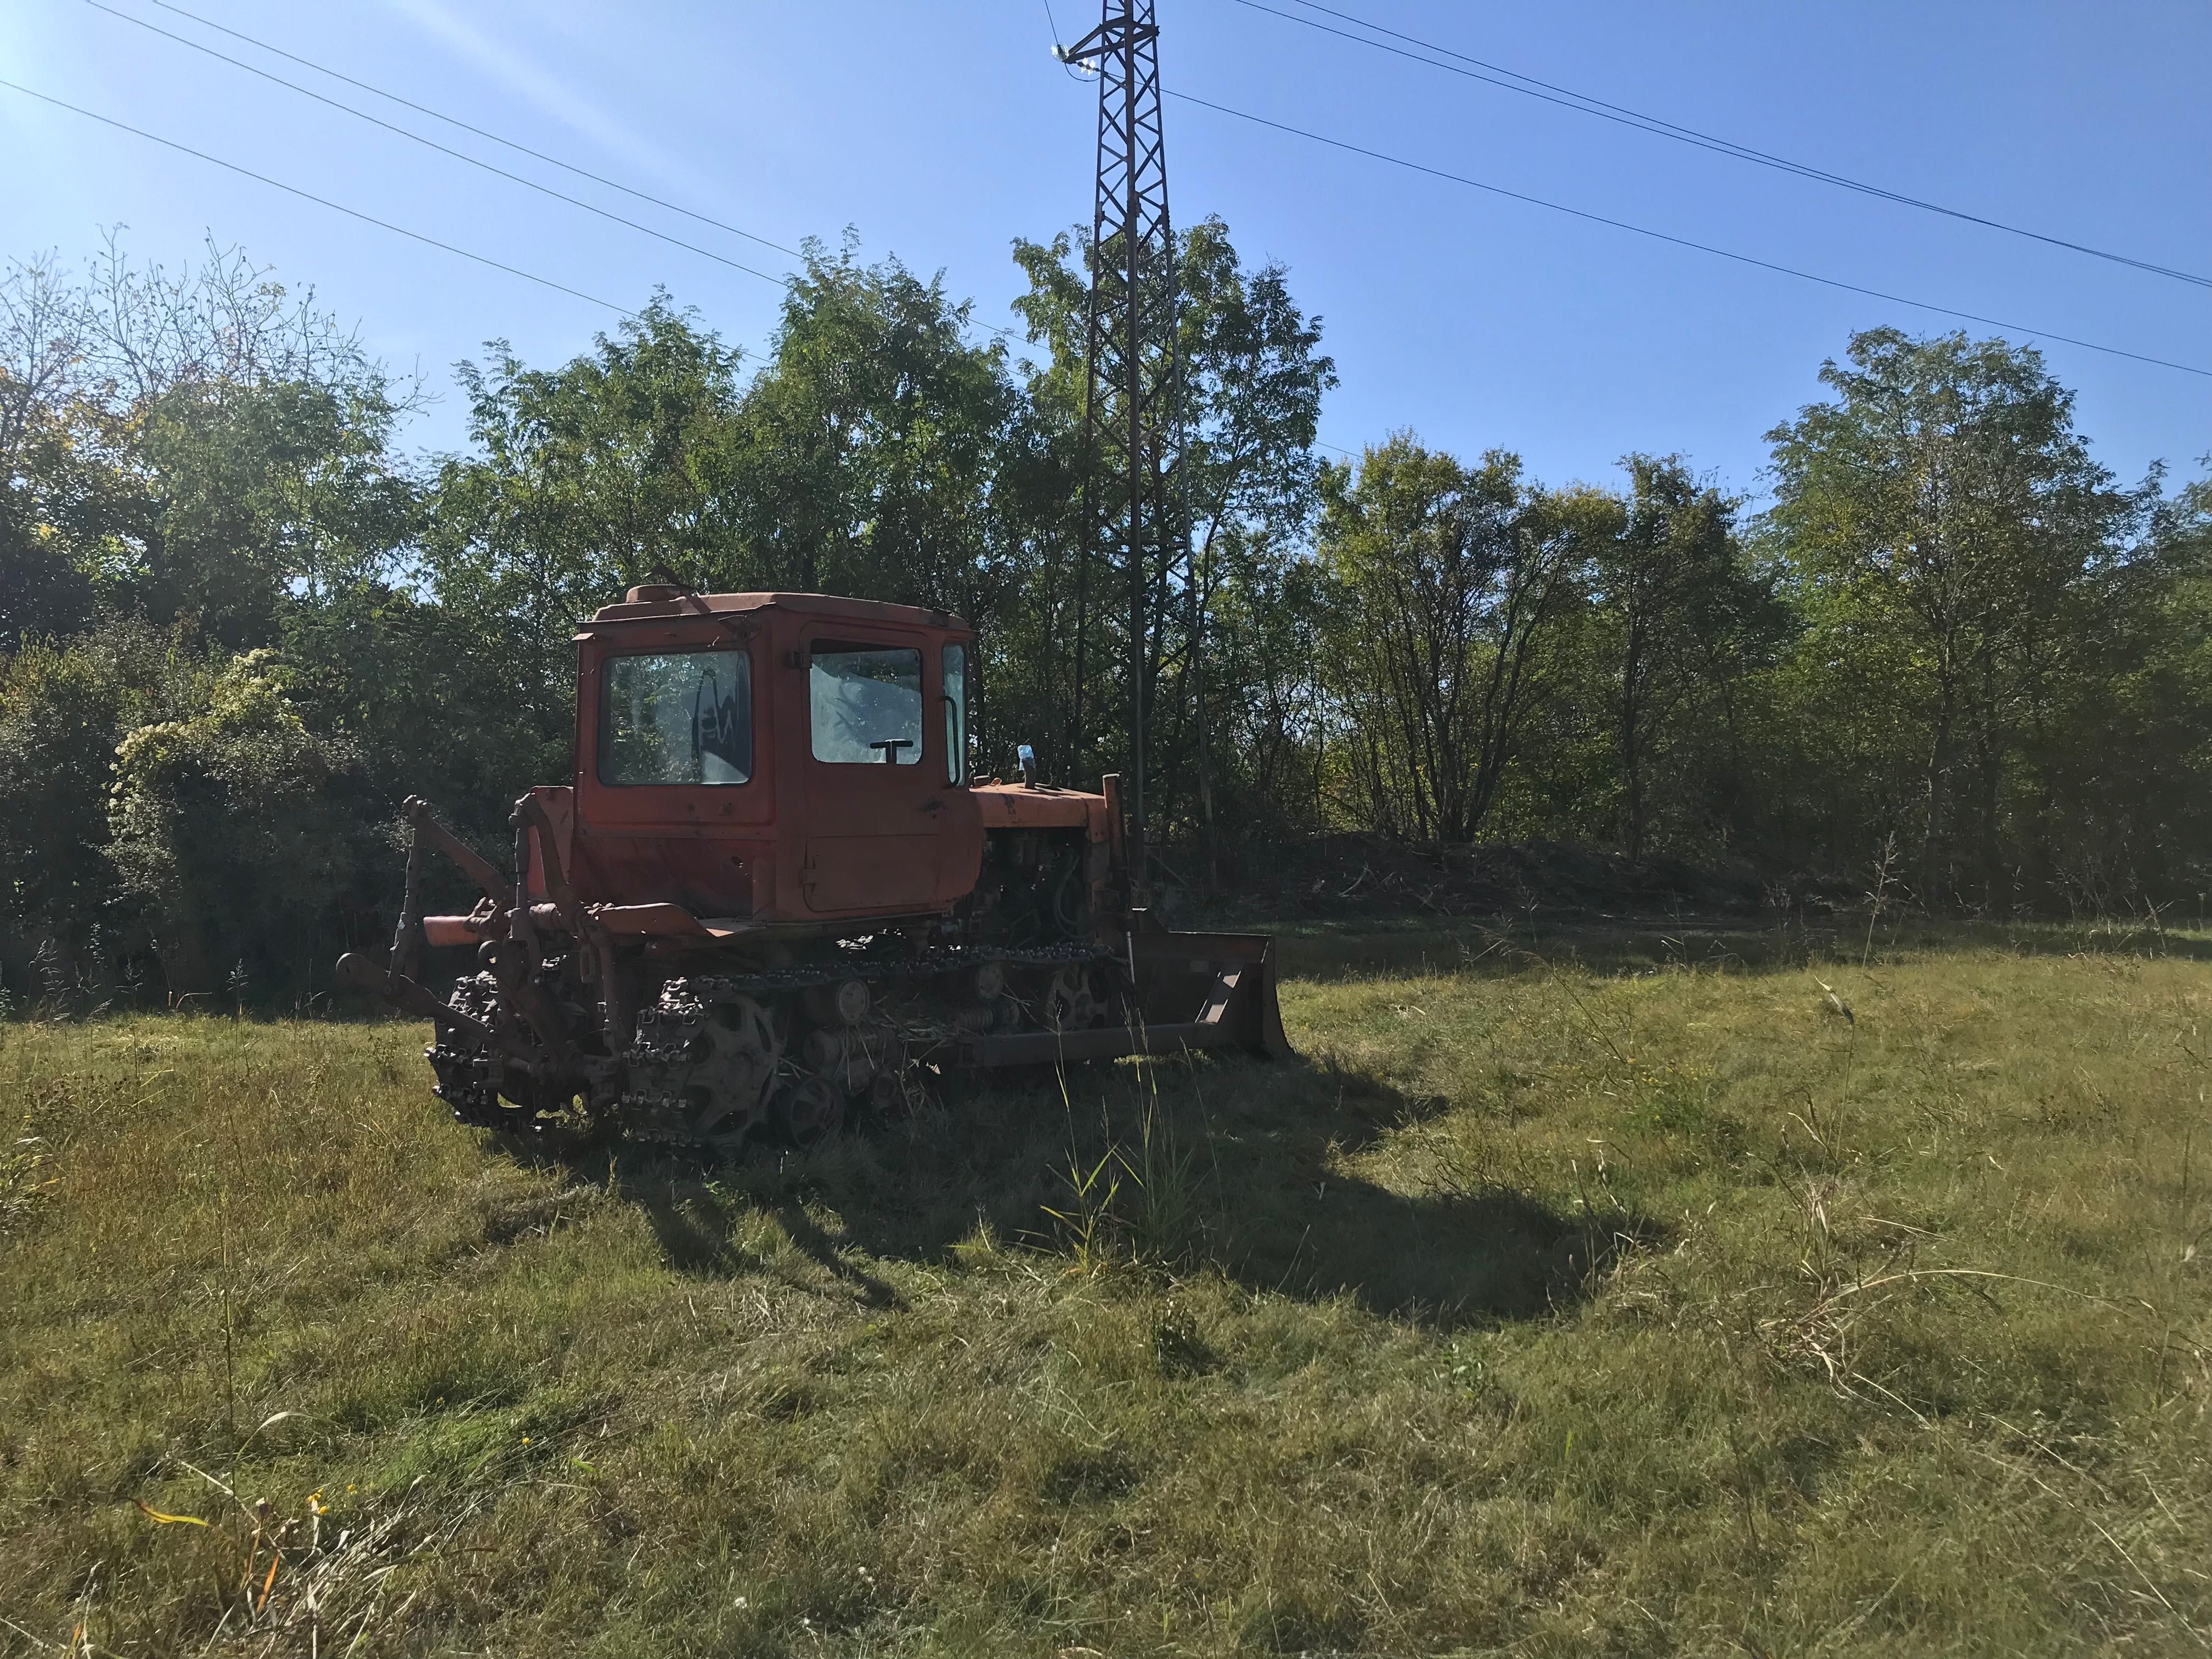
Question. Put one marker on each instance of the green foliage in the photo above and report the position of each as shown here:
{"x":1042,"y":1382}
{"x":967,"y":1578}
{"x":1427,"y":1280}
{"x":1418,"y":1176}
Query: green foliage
{"x":866,"y":452}
{"x":42,"y":592}
{"x":869,"y":456}
{"x":1447,"y":581}
{"x":1952,"y":647}
{"x":243,"y":495}
{"x":165,"y":808}
{"x":1684,"y":624}
{"x":195,"y":446}
{"x":431,"y":702}
{"x":189,"y":465}
{"x":586,"y":479}
{"x":62,"y":710}
{"x":1235,"y":707}
{"x":1943,"y":516}
{"x":232,"y":828}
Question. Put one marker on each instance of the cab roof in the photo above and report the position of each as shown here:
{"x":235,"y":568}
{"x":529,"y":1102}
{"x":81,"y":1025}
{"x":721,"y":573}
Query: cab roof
{"x":660,"y":603}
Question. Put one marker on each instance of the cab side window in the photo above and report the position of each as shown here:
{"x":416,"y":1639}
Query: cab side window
{"x":956,"y":713}
{"x":864,"y":703}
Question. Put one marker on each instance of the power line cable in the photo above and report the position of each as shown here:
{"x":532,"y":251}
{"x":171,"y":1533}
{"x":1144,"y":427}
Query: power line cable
{"x":1681,"y":241}
{"x":1545,"y":91}
{"x":1059,"y":51}
{"x":320,"y":201}
{"x":458,"y":155}
{"x":481,"y":132}
{"x":453,"y":121}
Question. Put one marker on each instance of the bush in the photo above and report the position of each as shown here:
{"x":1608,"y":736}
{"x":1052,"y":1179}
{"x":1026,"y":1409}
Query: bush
{"x":233,"y":827}
{"x":160,"y":802}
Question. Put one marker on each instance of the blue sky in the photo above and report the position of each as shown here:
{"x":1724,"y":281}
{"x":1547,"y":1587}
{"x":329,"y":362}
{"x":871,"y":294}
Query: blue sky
{"x":940,"y":132}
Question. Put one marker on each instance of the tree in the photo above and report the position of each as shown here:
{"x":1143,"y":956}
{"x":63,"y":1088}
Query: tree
{"x":159,"y":800}
{"x":1943,"y":511}
{"x":861,"y":458}
{"x":1447,"y":580}
{"x":62,"y":710}
{"x":868,"y":457}
{"x":865,"y":450}
{"x":1228,"y":669}
{"x":1681,"y":614}
{"x":41,"y":354}
{"x":200,"y":445}
{"x":187,"y":463}
{"x":431,"y":705}
{"x":587,"y":479}
{"x":2116,"y":792}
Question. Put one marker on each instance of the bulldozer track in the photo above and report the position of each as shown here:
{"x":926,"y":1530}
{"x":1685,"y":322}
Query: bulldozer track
{"x":788,"y":1053}
{"x":952,"y":959}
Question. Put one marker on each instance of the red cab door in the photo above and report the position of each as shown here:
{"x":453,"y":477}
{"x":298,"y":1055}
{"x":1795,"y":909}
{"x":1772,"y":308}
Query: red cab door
{"x":891,"y":827}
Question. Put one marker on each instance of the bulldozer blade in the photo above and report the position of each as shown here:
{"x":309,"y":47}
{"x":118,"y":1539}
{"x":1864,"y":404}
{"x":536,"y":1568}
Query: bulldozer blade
{"x":1233,"y":975}
{"x":1194,"y":991}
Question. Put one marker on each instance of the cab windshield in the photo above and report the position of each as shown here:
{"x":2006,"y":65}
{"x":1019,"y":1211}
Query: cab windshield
{"x":684,"y":717}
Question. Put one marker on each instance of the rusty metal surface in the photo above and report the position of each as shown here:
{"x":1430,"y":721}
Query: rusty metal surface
{"x":473,"y":865}
{"x":1021,"y":806}
{"x":679,"y":605}
{"x":1181,"y":972}
{"x":802,"y":838}
{"x":703,"y":963}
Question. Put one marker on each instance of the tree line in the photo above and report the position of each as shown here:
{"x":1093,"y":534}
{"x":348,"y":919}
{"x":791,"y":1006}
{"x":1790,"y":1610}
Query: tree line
{"x":240,"y":622}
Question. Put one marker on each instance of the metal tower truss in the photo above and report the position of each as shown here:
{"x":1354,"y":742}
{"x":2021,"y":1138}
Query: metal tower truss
{"x":1133,"y":424}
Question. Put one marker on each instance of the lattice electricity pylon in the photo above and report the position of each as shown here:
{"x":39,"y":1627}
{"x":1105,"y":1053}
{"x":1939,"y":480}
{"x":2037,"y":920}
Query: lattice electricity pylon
{"x":1132,"y":407}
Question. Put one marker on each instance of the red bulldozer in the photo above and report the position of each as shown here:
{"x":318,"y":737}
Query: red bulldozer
{"x":771,"y":894}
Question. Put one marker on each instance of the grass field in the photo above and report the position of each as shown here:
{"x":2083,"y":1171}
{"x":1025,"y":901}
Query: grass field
{"x":1647,"y":1307}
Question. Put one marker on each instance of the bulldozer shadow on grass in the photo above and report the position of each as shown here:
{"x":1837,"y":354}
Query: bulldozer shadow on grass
{"x":1178,"y":1165}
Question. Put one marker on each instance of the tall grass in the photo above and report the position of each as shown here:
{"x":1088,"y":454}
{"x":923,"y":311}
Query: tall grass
{"x":1654,"y":1308}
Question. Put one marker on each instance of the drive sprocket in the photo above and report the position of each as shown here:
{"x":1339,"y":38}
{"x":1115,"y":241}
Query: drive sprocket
{"x":701,"y":1068}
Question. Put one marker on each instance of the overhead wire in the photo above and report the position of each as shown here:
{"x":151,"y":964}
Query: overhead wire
{"x":1072,"y":71}
{"x":320,"y":201}
{"x":1224,"y":109}
{"x":457,"y":155}
{"x":450,"y":120}
{"x":483,"y":133}
{"x":1652,"y":123}
{"x":1529,"y":86}
{"x":1680,"y":241}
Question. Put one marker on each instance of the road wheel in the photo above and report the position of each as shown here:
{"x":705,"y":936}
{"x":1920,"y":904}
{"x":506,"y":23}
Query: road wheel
{"x":811,"y":1112}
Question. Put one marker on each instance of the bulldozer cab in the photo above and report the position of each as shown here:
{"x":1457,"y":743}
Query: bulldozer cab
{"x":770,"y":758}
